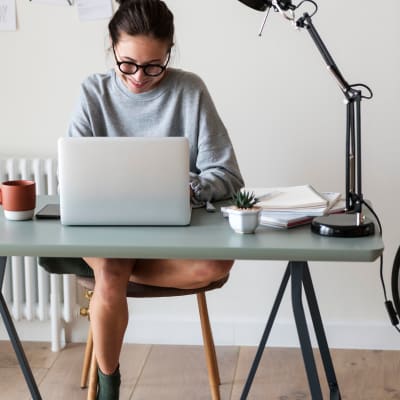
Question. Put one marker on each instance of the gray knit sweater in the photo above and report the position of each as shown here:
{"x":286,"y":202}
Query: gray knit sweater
{"x":180,"y":105}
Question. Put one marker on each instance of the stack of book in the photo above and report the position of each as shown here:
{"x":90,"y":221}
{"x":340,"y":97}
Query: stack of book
{"x":291,"y":206}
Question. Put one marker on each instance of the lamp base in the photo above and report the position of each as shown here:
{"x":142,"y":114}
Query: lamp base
{"x":342,"y":225}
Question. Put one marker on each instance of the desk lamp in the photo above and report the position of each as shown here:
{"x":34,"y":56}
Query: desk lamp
{"x":352,"y":223}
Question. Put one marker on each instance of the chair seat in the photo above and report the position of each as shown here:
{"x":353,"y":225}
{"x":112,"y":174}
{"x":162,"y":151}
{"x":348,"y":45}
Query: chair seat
{"x":139,"y":290}
{"x":85,"y":278}
{"x":66,"y":265}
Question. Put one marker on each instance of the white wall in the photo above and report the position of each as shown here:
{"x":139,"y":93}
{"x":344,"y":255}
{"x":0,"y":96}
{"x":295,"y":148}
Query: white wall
{"x":286,"y":118}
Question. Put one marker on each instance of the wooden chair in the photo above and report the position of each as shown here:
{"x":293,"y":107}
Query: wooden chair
{"x":86,"y":280}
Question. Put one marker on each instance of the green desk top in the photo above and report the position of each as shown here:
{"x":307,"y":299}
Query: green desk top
{"x":209,"y":236}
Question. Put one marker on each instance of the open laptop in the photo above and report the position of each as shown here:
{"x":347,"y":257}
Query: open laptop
{"x":124,"y":181}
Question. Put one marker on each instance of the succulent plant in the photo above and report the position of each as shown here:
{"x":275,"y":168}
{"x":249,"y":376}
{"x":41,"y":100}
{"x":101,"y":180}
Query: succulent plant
{"x":244,"y":199}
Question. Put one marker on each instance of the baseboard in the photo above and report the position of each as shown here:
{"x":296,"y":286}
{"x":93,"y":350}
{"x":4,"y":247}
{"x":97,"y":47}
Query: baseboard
{"x":161,"y":330}
{"x":35,"y":331}
{"x":368,"y":335}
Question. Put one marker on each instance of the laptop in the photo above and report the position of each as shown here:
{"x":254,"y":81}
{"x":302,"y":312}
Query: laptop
{"x":124,"y":181}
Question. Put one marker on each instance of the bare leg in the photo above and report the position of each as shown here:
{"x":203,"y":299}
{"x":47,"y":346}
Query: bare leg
{"x":109,"y":310}
{"x":108,"y":306}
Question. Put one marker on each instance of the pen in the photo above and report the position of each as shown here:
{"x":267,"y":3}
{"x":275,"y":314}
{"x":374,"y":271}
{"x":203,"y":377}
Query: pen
{"x":266,"y":196}
{"x":210,"y":207}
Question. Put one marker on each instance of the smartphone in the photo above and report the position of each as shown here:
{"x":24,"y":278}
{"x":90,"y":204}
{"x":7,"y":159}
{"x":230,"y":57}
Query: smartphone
{"x":49,"y":211}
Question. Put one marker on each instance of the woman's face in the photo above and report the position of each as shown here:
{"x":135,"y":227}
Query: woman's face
{"x":141,"y":50}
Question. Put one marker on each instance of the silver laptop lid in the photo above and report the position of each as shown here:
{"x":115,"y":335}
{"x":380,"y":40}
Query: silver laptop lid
{"x":124,"y":181}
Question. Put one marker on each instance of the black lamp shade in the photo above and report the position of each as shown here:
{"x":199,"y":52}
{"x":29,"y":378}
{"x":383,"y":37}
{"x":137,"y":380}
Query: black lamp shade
{"x":260,"y":5}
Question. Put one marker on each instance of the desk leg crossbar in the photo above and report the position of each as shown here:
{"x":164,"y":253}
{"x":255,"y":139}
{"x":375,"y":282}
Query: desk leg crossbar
{"x":12,"y":333}
{"x":300,"y":277}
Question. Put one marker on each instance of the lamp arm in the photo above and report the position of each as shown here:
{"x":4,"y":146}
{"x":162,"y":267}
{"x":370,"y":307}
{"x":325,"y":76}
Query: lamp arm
{"x":354,"y":197}
{"x":306,"y":22}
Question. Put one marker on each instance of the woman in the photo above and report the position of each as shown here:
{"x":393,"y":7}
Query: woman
{"x":141,"y":96}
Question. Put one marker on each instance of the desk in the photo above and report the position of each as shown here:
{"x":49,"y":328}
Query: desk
{"x":208,"y":237}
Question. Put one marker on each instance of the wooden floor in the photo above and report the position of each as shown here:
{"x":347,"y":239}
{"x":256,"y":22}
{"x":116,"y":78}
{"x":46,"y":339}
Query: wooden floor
{"x":179,"y":373}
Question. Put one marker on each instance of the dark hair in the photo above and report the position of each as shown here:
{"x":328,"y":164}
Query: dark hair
{"x":142,"y":17}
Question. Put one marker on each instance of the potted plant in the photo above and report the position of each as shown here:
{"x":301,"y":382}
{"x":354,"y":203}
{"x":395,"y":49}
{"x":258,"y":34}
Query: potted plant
{"x":244,"y":214}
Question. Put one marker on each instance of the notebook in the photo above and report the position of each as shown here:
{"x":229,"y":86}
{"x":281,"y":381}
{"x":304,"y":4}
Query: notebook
{"x":124,"y":181}
{"x":290,"y":198}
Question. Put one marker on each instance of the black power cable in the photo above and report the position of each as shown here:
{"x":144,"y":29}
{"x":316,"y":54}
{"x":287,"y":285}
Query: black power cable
{"x":391,"y":310}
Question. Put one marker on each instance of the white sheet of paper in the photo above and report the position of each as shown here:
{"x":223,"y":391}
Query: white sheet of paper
{"x":53,"y":2}
{"x":90,"y":10}
{"x":8,"y":15}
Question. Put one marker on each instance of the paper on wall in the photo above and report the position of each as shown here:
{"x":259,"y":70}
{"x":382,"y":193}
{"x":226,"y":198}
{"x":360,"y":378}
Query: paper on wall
{"x":89,"y":10}
{"x":54,"y":2}
{"x":8,"y":17}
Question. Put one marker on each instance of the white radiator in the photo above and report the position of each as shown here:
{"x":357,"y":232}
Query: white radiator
{"x":32,"y":293}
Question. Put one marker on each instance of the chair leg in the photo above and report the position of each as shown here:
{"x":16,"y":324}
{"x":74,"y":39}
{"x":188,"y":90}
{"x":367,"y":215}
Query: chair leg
{"x":209,"y":348}
{"x":92,"y":390}
{"x":87,"y":359}
{"x":89,"y":368}
{"x":84,"y":312}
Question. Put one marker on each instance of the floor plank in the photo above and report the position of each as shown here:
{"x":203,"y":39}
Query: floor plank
{"x":133,"y":359}
{"x":391,"y":378}
{"x":280,"y":375}
{"x":12,"y":381}
{"x":13,"y":385}
{"x":361,"y":374}
{"x":39,"y":355}
{"x":179,"y":373}
{"x":65,"y":373}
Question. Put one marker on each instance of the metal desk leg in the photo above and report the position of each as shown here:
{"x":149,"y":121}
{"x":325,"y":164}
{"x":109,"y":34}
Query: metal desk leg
{"x":302,"y":330}
{"x":265,"y":335}
{"x":320,"y":335}
{"x":300,"y":274}
{"x":13,"y":335}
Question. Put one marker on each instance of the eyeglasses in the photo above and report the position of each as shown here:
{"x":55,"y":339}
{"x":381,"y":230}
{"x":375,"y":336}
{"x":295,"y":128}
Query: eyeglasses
{"x":130,"y":67}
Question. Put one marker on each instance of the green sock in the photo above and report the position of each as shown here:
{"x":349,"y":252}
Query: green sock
{"x":108,"y":386}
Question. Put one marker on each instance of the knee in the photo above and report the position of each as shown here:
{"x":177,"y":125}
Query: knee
{"x":111,"y":278}
{"x":206,"y":272}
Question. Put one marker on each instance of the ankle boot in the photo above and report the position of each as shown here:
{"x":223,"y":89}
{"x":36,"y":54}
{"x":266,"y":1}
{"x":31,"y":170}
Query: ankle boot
{"x":108,"y":385}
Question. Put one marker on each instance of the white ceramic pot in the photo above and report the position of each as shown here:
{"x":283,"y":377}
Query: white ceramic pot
{"x":244,"y":220}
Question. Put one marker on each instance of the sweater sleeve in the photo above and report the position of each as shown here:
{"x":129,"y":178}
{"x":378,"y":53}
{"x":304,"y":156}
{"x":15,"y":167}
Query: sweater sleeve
{"x":80,"y":123}
{"x":218,"y":175}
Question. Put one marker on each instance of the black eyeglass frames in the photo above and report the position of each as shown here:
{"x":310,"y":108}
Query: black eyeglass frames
{"x":130,"y":67}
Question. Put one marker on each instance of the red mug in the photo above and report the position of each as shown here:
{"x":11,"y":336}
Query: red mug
{"x":18,"y":199}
